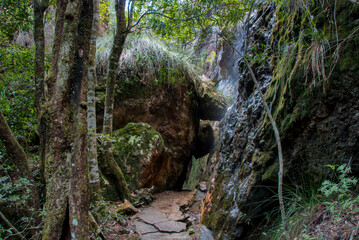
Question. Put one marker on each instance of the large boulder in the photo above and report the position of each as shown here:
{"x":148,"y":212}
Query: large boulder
{"x":212,"y":105}
{"x":157,"y":86}
{"x":171,"y":111}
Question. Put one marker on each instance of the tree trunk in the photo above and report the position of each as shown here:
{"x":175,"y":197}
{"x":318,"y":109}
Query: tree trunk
{"x":95,"y":189}
{"x":108,"y":164}
{"x":39,"y":8}
{"x":66,"y":166}
{"x":19,"y":158}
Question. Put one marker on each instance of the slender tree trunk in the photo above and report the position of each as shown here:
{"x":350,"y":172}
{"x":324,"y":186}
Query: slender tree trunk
{"x":39,"y":8}
{"x":19,"y":158}
{"x":95,"y":189}
{"x":66,"y":166}
{"x":108,"y":164}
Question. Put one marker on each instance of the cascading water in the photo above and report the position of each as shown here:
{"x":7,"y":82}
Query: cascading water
{"x":227,"y":71}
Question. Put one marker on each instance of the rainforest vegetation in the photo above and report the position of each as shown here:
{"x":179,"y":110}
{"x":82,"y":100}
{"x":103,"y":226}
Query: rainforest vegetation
{"x":179,"y":119}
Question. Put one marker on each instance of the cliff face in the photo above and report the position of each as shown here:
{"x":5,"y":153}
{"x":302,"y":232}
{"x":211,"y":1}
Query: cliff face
{"x":308,"y":68}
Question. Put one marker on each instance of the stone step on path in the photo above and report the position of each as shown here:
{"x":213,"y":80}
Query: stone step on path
{"x":163,"y":220}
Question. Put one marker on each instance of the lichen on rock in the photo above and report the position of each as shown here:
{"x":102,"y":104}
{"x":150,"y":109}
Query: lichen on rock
{"x":139,"y":150}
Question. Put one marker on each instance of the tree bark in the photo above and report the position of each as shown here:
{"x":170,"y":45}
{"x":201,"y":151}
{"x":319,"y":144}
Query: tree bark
{"x":66,"y":166}
{"x":95,"y":188}
{"x":108,"y":164}
{"x":39,"y":8}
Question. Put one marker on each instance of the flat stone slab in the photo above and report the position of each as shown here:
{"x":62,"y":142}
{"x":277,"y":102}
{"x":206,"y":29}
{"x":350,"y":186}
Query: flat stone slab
{"x":152,"y":216}
{"x":171,"y":226}
{"x":166,"y":236}
{"x":143,"y":228}
{"x":173,"y":213}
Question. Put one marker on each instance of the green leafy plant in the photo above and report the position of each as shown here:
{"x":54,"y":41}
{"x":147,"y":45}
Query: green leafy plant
{"x":340,"y":190}
{"x":17,"y":90}
{"x":13,"y":191}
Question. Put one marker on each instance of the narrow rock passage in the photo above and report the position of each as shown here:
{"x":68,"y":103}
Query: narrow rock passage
{"x":164,"y":219}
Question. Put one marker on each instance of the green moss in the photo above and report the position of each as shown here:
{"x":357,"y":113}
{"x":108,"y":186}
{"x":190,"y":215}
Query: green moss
{"x":298,"y":62}
{"x":271,"y":172}
{"x":197,"y":169}
{"x":134,"y":144}
{"x":261,"y":158}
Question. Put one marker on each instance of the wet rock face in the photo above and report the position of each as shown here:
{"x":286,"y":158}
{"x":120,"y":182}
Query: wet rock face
{"x":317,"y":127}
{"x":231,"y":189}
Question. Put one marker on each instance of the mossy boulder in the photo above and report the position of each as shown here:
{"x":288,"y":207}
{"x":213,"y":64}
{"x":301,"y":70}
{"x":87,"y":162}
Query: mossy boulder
{"x":197,"y":169}
{"x":139,"y":151}
{"x":212,"y":105}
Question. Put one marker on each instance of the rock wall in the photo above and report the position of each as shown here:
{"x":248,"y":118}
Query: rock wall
{"x":315,"y":105}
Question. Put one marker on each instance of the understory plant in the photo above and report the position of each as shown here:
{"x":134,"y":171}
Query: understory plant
{"x":339,"y":193}
{"x":323,"y":212}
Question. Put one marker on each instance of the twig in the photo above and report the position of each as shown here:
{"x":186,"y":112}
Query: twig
{"x":279,"y":145}
{"x":11,"y":226}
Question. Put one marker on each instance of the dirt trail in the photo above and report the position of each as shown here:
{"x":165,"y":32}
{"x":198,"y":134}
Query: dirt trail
{"x":164,"y":218}
{"x":171,"y":216}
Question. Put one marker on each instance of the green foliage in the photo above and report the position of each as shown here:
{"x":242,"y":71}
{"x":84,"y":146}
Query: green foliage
{"x":13,"y":191}
{"x":17,"y":90}
{"x":306,"y":208}
{"x":14,"y":15}
{"x":301,"y":203}
{"x":340,"y":190}
{"x":148,"y":56}
{"x":104,"y":11}
{"x":184,"y":20}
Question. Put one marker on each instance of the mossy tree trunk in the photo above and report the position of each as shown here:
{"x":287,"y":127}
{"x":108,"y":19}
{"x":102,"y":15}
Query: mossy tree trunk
{"x":66,"y":166}
{"x":39,"y":8}
{"x":95,"y":189}
{"x":108,"y":164}
{"x":17,"y":154}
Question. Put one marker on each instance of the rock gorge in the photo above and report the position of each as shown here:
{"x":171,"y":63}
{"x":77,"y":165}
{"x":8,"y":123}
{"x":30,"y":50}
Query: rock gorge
{"x":310,"y":81}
